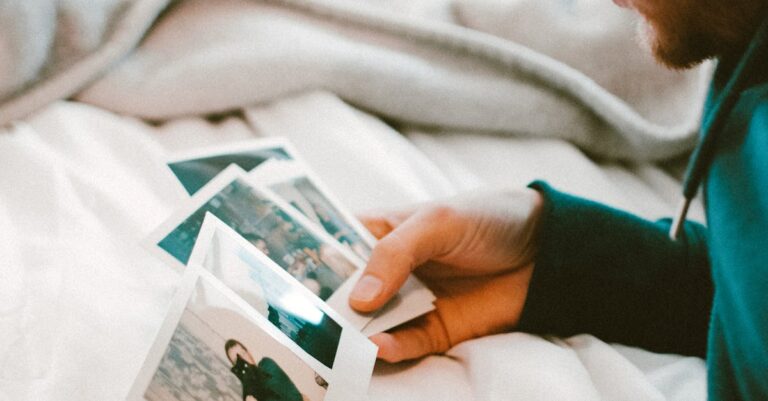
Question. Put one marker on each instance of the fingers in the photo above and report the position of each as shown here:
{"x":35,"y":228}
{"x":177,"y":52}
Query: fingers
{"x":425,"y":335}
{"x":466,"y":308}
{"x":424,"y":235}
{"x":381,"y":224}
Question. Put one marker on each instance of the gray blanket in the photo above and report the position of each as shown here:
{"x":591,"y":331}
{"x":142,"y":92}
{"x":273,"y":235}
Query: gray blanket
{"x":563,"y":69}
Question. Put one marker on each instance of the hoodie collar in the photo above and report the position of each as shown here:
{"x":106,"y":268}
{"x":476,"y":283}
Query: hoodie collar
{"x":723,"y":97}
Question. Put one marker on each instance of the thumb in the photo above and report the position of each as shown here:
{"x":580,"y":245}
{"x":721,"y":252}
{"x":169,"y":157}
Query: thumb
{"x":422,"y":336}
{"x":424,"y":235}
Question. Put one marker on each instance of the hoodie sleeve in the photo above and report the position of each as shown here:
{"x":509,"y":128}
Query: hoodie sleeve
{"x":611,"y":274}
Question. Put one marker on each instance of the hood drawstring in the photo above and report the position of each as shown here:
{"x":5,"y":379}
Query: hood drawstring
{"x":714,"y":123}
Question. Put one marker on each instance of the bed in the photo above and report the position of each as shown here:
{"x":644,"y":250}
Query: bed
{"x":391,"y":102}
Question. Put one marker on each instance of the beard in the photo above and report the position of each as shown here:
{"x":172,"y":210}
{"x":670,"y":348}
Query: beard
{"x":683,"y":33}
{"x":674,"y":47}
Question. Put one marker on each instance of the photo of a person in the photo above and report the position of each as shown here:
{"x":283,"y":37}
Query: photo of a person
{"x":217,"y":350}
{"x":263,"y":380}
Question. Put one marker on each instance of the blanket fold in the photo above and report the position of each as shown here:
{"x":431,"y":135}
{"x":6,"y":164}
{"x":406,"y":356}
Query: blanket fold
{"x":475,"y":74}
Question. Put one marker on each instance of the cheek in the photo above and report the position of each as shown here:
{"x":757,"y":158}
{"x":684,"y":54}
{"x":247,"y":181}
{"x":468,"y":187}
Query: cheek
{"x":655,"y":10}
{"x":656,"y":22}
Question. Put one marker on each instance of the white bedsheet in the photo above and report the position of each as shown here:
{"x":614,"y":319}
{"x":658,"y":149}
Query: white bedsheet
{"x":81,"y":301}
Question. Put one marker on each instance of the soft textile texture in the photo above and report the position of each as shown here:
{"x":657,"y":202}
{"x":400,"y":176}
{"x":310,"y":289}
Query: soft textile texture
{"x":50,"y":49}
{"x":485,"y":66}
{"x":737,"y":206}
{"x":606,"y":272}
{"x":80,"y":301}
{"x":86,"y":300}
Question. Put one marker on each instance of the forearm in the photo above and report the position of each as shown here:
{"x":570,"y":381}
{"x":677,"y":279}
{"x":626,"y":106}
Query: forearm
{"x":608,"y":273}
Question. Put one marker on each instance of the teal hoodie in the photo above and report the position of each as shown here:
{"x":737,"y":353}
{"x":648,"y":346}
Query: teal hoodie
{"x":704,"y":293}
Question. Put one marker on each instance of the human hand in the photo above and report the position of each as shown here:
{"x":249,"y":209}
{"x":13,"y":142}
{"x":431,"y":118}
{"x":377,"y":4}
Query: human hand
{"x":475,"y":252}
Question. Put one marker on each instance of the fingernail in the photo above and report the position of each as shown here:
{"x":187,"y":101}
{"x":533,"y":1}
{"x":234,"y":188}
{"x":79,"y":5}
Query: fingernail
{"x":367,"y":289}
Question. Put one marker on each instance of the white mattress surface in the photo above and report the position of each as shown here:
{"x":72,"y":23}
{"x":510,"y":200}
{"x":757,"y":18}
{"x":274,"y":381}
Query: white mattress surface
{"x":81,"y":301}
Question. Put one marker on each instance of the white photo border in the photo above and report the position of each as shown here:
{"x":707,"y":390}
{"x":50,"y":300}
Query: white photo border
{"x":338,"y":301}
{"x":237,"y":147}
{"x":213,"y":226}
{"x":347,"y":381}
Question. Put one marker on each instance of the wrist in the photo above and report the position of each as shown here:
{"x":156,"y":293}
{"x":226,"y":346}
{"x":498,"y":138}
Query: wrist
{"x":532,"y":226}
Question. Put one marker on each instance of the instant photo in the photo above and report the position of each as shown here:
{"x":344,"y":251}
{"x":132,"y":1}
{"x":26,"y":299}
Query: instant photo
{"x":295,"y":184}
{"x":213,"y":346}
{"x":291,"y":240}
{"x":304,"y":251}
{"x":293,"y":310}
{"x":194,"y":170}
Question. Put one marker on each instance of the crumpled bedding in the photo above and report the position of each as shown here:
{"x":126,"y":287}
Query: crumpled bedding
{"x":82,"y":300}
{"x":543,"y":68}
{"x":391,"y":101}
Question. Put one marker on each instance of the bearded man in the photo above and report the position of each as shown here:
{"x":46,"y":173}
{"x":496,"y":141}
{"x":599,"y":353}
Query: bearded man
{"x":542,"y":261}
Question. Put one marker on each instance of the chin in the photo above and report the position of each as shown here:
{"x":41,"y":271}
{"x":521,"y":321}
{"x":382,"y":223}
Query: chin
{"x":683,"y":33}
{"x":675,"y":48}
